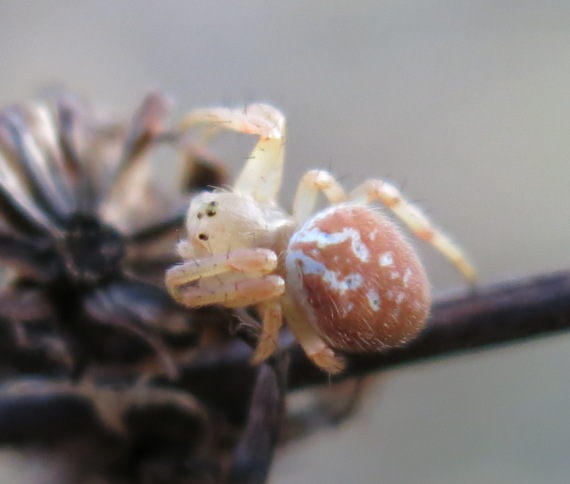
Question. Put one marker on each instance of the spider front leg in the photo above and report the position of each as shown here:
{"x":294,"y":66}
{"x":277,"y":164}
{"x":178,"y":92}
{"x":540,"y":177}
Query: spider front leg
{"x":238,"y":278}
{"x":418,"y":223}
{"x":261,"y":175}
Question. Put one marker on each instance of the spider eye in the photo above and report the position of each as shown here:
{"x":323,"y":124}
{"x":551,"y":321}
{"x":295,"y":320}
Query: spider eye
{"x":200,"y":215}
{"x":203,"y":236}
{"x":212,"y":209}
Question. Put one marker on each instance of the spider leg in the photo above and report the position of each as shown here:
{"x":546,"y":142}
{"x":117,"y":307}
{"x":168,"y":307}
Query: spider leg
{"x":313,"y":345}
{"x":313,"y":182}
{"x":418,"y":223}
{"x":261,"y":175}
{"x":237,"y":260}
{"x":272,"y":317}
{"x":235,"y":293}
{"x":236,"y":278}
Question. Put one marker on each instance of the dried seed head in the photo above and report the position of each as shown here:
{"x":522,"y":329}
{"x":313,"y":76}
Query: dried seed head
{"x":358,"y":280}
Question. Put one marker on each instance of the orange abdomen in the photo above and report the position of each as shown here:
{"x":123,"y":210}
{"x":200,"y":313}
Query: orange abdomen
{"x":357,"y":279}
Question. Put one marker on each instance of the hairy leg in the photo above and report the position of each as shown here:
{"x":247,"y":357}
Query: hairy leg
{"x":314,"y":346}
{"x":311,"y":184}
{"x":272,"y":319}
{"x":261,"y":175}
{"x":418,"y":223}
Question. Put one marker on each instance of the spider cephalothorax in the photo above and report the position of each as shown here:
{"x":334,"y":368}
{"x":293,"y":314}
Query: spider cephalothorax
{"x":344,"y":278}
{"x":222,"y":220}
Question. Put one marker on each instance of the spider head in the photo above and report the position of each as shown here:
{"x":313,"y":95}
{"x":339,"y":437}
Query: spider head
{"x":219,"y":221}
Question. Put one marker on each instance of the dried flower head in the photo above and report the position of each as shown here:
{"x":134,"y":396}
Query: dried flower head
{"x":84,"y":227}
{"x":86,"y":233}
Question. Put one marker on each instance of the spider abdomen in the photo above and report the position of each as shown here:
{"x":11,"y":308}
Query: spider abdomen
{"x":359,"y":282}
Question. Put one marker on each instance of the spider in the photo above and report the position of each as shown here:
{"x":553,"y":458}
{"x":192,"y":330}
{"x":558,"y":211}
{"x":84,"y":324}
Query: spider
{"x":343,"y":278}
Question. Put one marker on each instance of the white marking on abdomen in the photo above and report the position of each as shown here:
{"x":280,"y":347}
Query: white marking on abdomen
{"x":373,"y":300}
{"x":386,"y":259}
{"x":311,"y":234}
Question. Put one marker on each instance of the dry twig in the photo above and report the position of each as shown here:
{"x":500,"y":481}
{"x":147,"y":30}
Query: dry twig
{"x":498,"y":314}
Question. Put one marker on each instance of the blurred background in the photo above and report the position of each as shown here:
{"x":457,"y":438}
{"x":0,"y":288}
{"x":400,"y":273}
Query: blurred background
{"x":465,"y":104}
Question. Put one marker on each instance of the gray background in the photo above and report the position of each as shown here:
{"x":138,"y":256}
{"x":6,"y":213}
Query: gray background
{"x":468,"y":103}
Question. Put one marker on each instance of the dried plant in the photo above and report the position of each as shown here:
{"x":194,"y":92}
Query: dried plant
{"x":85,"y":237}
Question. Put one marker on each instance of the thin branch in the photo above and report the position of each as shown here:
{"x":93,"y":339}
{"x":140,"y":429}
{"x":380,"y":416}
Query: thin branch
{"x":498,"y":314}
{"x":254,"y":453}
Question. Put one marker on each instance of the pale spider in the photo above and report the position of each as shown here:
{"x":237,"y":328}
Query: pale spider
{"x":343,"y":278}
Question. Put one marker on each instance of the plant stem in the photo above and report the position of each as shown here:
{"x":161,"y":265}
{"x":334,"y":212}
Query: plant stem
{"x":491,"y":315}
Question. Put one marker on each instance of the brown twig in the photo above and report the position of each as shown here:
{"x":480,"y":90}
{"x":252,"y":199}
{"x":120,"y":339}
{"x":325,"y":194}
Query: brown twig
{"x":254,"y":453}
{"x":492,"y":315}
